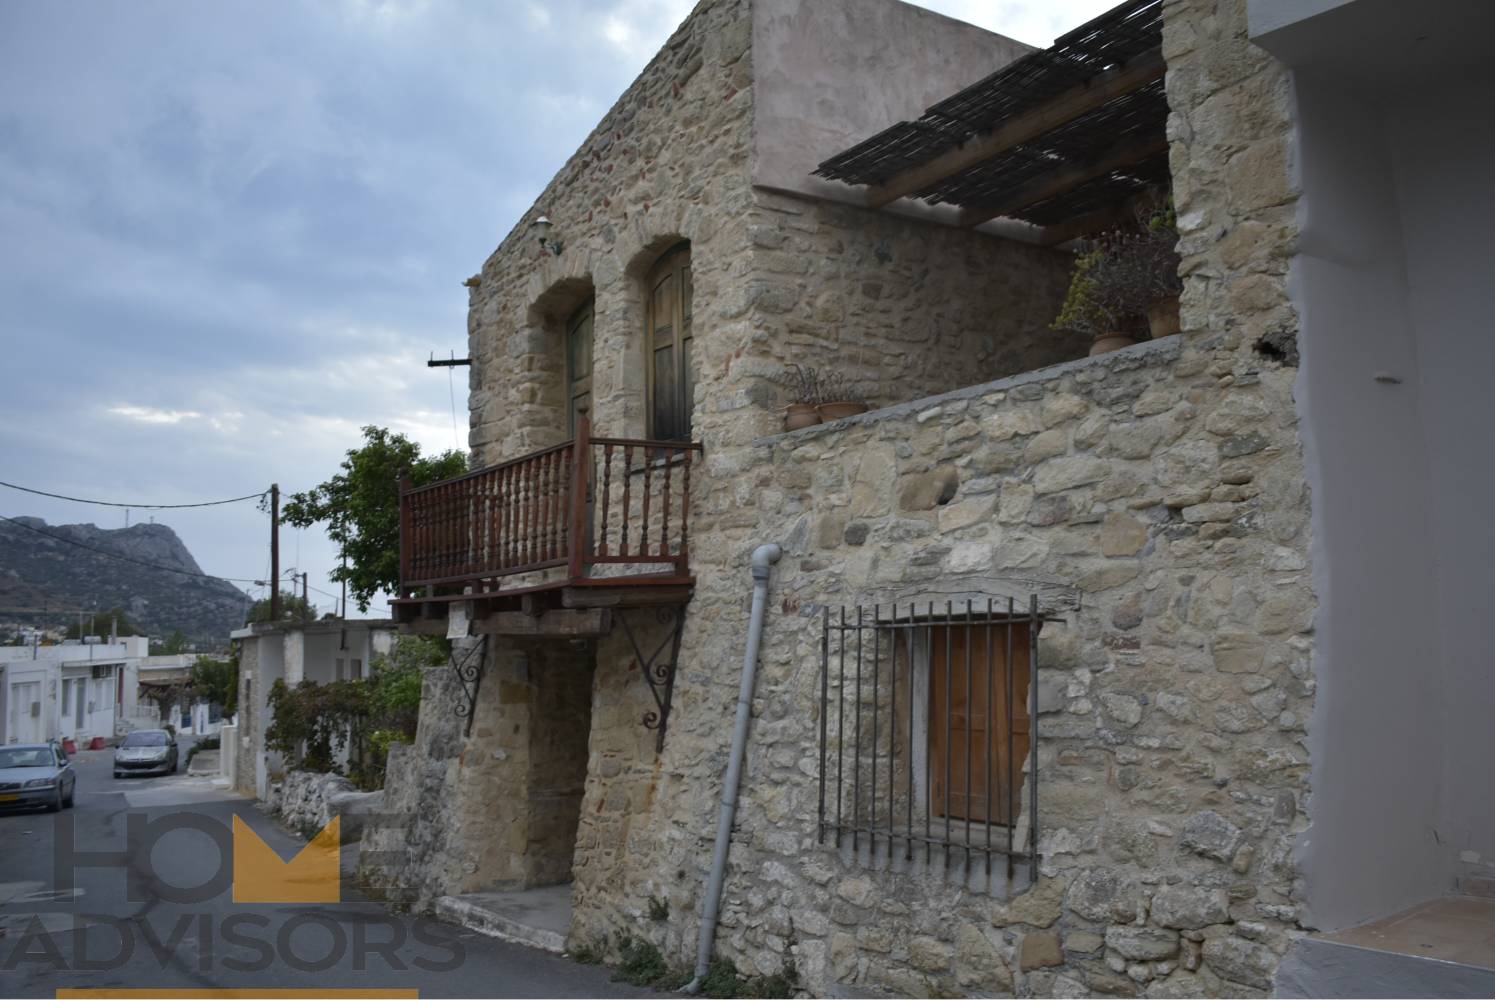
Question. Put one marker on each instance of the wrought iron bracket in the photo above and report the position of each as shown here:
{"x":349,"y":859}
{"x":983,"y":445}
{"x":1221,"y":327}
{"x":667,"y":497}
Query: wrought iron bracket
{"x":470,"y":677}
{"x":660,"y":674}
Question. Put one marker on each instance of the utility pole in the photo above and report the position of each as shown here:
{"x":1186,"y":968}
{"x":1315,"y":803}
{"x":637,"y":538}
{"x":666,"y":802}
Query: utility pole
{"x":305,"y":599}
{"x":275,"y":552}
{"x":344,"y":600}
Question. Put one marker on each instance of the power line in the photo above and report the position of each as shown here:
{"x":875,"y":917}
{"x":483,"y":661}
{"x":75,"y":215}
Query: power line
{"x":141,"y":506}
{"x":124,"y":558}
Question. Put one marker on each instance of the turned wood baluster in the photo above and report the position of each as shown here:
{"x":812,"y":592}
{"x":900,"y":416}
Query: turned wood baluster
{"x":643,"y":545}
{"x":542,"y":536}
{"x":684,"y":560}
{"x":474,"y":507}
{"x":627,"y":500}
{"x":527,"y":533}
{"x":501,"y":558}
{"x":664,"y":526}
{"x":553,"y":507}
{"x":577,"y":513}
{"x":607,"y":483}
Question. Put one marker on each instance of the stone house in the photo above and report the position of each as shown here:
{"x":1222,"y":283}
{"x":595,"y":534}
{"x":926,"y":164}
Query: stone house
{"x":1228,"y":579}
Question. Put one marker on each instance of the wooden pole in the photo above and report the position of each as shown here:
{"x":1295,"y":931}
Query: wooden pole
{"x":581,"y":448}
{"x":275,"y":552}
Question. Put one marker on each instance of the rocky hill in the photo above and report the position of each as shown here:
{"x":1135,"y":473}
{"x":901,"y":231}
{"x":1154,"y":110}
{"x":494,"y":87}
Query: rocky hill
{"x":37,"y":571}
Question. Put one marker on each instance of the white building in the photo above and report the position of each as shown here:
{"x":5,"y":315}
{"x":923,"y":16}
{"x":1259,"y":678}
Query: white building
{"x":76,"y":690}
{"x":320,"y":651}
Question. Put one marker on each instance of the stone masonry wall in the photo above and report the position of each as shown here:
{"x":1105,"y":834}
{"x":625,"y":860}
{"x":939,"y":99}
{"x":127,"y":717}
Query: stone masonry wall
{"x":1166,"y":484}
{"x":903,"y":310}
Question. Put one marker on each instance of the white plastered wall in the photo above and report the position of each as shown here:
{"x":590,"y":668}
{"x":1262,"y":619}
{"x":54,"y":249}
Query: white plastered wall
{"x":1391,"y":283}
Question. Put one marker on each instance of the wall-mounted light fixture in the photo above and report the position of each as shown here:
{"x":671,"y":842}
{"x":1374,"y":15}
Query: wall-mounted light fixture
{"x":542,"y":227}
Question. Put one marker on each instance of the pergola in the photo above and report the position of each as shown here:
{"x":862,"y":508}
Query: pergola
{"x":1061,"y":138}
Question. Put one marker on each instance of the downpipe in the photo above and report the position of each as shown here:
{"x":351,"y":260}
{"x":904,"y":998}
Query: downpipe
{"x":764,"y":556}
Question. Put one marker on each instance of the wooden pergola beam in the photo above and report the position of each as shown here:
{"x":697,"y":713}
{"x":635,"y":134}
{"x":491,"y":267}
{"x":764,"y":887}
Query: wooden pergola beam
{"x":1066,"y":179}
{"x":1091,"y":222}
{"x":1065,"y":107}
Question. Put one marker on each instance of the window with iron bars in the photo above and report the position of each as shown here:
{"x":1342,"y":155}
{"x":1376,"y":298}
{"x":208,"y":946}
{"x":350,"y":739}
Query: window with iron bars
{"x":926,"y":733}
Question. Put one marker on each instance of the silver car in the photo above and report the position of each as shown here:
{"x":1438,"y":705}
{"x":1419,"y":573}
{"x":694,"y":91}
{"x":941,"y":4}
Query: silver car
{"x":36,"y":774}
{"x":146,"y":751}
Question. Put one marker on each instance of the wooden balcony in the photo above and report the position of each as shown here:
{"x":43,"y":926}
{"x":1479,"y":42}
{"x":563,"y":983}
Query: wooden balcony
{"x":595,"y":522}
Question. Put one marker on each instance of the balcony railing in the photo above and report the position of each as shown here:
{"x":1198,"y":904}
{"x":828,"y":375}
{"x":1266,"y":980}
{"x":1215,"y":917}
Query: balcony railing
{"x":599,"y":507}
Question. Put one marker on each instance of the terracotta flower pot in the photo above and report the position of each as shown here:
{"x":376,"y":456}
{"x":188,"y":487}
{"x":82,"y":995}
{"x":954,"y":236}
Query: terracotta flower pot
{"x":835,"y":411}
{"x":1162,"y":318}
{"x":798,"y":415}
{"x":1108,"y":342}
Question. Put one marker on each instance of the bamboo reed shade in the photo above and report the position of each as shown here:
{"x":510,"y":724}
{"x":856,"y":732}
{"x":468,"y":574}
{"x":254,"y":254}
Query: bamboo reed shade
{"x":1121,"y":35}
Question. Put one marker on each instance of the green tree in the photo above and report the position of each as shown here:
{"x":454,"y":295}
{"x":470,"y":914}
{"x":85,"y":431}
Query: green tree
{"x":101,"y":623}
{"x":217,"y":681}
{"x":171,"y":645}
{"x":361,"y":507}
{"x":293,"y":608}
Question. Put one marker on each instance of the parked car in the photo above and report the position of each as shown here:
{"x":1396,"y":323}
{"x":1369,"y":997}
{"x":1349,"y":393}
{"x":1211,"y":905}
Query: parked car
{"x":36,"y":774}
{"x":146,"y":751}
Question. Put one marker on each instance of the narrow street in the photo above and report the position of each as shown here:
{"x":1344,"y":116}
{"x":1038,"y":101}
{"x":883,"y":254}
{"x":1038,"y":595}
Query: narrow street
{"x":96,"y":937}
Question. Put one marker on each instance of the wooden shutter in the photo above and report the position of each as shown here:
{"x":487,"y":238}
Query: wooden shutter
{"x":975,"y":677}
{"x":578,"y":365}
{"x":668,"y":346}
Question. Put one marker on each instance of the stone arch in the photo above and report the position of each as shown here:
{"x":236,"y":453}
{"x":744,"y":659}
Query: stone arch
{"x":545,"y":400}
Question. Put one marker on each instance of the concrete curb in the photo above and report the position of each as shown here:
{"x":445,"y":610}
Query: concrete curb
{"x":464,"y":913}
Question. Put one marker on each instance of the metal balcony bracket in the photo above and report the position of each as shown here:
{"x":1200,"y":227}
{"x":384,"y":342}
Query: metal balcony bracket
{"x":660,"y":673}
{"x":468,"y":666}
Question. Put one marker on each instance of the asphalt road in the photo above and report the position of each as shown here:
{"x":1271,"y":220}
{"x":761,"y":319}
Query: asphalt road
{"x":93,"y":935}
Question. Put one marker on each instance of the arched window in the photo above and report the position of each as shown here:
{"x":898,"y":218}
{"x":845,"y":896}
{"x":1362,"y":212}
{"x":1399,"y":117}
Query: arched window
{"x":667,"y":345}
{"x":578,"y":365}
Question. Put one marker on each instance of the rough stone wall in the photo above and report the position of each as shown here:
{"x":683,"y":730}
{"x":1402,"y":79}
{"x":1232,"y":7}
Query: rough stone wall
{"x":1166,"y":483}
{"x":902,"y":309}
{"x":667,"y":164}
{"x":558,"y":727}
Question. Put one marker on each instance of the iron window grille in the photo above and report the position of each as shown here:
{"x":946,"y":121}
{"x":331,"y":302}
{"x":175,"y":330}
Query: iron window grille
{"x":927,"y":731}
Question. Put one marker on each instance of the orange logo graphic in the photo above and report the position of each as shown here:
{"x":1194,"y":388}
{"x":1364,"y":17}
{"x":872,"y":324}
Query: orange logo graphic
{"x":310,"y":877}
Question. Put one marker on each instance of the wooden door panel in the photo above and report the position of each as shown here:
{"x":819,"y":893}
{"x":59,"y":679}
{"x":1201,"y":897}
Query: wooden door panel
{"x":961,"y":666}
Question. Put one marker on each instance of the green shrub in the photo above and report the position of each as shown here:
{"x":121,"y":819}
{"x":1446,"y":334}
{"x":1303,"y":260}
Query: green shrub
{"x":641,"y":964}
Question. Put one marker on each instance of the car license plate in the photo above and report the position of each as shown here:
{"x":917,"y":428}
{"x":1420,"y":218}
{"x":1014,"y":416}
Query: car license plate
{"x":10,"y":798}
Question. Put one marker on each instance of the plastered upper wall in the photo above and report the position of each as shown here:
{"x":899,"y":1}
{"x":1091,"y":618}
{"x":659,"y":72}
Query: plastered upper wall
{"x":830,"y":73}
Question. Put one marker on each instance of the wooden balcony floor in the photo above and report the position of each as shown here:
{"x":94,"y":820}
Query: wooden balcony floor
{"x":429,"y":615}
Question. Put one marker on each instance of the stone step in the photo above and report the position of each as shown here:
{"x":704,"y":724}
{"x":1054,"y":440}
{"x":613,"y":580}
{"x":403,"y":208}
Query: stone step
{"x":537,"y":918}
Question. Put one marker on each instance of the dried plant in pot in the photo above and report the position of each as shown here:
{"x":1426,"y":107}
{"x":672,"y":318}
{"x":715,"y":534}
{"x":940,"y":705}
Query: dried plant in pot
{"x":803,"y":383}
{"x":1155,"y":250}
{"x":838,"y":399}
{"x":1092,"y":305}
{"x":1125,"y":285}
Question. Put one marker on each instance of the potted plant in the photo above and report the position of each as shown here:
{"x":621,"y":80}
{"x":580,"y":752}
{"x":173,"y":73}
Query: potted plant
{"x":1125,"y":285}
{"x":1156,"y":252}
{"x":1093,"y":305}
{"x":838,"y":399}
{"x":804,"y":391}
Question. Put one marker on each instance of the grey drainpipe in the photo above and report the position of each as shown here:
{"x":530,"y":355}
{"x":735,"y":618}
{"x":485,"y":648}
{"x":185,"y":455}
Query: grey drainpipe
{"x":764,"y":556}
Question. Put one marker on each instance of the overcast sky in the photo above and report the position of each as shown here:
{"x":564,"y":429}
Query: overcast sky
{"x":231,"y":233}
